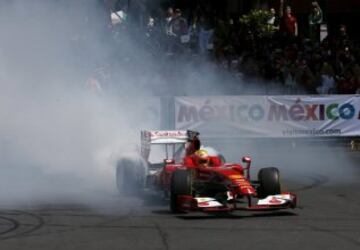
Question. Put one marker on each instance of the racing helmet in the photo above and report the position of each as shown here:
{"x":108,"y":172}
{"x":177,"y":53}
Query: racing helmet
{"x":202,"y":157}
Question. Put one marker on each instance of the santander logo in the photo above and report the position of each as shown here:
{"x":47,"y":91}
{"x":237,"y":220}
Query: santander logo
{"x":274,"y":200}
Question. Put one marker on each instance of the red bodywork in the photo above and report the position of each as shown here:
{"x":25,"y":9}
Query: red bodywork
{"x":231,"y":174}
{"x":234,"y":176}
{"x":230,"y":181}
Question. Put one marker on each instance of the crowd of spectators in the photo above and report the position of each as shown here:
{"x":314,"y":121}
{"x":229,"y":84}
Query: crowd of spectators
{"x":314,"y":62}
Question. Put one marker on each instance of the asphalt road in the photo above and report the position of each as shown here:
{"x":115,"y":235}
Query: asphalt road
{"x":328,"y":217}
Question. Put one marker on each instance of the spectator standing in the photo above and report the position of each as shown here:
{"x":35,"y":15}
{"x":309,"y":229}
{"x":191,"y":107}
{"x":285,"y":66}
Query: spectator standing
{"x":168,"y":19}
{"x":358,"y":89}
{"x":170,"y":35}
{"x":356,"y":70}
{"x":99,"y":80}
{"x":206,"y":33}
{"x":343,"y":37}
{"x":290,"y":80}
{"x":289,"y":26}
{"x":327,"y":80}
{"x":274,"y":19}
{"x":304,"y":77}
{"x":222,"y":39}
{"x":179,"y":31}
{"x":357,"y":78}
{"x":348,"y":83}
{"x":194,"y":30}
{"x":178,"y":24}
{"x":315,"y":20}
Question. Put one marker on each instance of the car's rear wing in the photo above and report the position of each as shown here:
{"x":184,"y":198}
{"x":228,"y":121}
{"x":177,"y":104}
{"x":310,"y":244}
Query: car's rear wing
{"x":149,"y":137}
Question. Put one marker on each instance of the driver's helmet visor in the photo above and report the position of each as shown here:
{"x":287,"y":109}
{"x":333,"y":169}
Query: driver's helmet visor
{"x":204,"y":161}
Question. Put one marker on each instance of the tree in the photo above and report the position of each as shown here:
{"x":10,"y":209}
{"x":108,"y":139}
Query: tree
{"x":256,"y":24}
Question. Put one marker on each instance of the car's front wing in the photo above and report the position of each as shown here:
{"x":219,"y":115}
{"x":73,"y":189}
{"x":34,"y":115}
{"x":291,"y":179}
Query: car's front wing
{"x":188,"y":203}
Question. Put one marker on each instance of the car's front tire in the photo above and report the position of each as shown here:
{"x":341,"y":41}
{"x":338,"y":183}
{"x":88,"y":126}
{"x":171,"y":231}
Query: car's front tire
{"x":181,"y":184}
{"x":269,"y":180}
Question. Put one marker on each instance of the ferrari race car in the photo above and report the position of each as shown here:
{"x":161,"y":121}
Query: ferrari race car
{"x":194,"y":180}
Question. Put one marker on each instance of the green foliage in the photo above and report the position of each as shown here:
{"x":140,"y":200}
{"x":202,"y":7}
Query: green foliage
{"x":256,"y":24}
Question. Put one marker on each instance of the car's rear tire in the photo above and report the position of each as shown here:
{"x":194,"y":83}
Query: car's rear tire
{"x":129,"y":180}
{"x":181,"y":184}
{"x":269,"y":180}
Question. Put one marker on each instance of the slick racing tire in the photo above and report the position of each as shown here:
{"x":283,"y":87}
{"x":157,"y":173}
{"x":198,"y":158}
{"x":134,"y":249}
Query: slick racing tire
{"x":181,"y":184}
{"x":129,"y":177}
{"x":269,"y":180}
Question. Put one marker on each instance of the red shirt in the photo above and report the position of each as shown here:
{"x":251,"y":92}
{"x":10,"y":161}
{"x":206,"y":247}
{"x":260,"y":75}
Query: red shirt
{"x":289,"y":24}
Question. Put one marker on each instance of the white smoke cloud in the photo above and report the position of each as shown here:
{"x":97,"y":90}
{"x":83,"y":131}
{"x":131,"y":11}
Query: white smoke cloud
{"x":59,"y":139}
{"x":302,"y":162}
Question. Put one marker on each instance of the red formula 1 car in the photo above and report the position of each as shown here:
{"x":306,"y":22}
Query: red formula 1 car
{"x":194,"y":180}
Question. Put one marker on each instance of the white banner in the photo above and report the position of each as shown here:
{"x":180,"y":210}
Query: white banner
{"x":270,"y":116}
